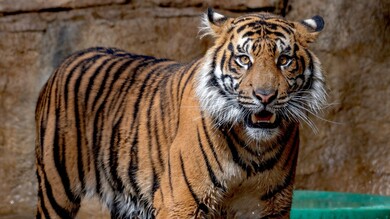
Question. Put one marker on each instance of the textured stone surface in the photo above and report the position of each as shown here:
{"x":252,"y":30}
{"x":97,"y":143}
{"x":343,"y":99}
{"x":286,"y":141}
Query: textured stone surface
{"x":15,"y":6}
{"x":351,"y":152}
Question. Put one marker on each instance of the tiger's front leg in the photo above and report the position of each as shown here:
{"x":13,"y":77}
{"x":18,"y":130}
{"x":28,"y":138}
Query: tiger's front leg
{"x":182,"y":188}
{"x":176,"y":206}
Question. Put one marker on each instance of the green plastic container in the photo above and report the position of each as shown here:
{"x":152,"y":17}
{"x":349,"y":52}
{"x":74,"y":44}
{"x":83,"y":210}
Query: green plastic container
{"x":338,"y":205}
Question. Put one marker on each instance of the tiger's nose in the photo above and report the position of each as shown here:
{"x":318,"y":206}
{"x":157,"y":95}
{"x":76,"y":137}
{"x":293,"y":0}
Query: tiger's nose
{"x":265,"y":95}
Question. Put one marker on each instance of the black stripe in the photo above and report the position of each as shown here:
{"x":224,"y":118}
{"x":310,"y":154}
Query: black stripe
{"x":116,"y":107}
{"x":44,"y":121}
{"x":284,"y":44}
{"x":245,"y":98}
{"x":201,"y":209}
{"x":231,"y":28}
{"x":38,"y":215}
{"x":242,"y":20}
{"x":80,"y":165}
{"x":278,"y":34}
{"x":133,"y":167}
{"x":189,"y":186}
{"x":144,"y":85}
{"x":227,"y":84}
{"x":230,"y":47}
{"x":59,"y":157}
{"x":254,"y":47}
{"x":308,"y":82}
{"x":303,"y":64}
{"x":164,"y":108}
{"x":155,"y":179}
{"x":60,"y":211}
{"x":213,"y":82}
{"x":180,"y":94}
{"x":107,"y":72}
{"x":235,"y":155}
{"x":295,"y":48}
{"x":234,"y":70}
{"x":190,"y":76}
{"x":271,"y":162}
{"x":172,"y":84}
{"x":97,"y":131}
{"x":182,"y":74}
{"x":214,"y":62}
{"x":253,"y":24}
{"x":286,"y":29}
{"x":41,"y":199}
{"x":156,"y":183}
{"x":248,"y":34}
{"x":296,"y":69}
{"x":212,"y":176}
{"x":223,"y":59}
{"x":116,"y":181}
{"x":100,"y":113}
{"x":96,"y":140}
{"x":288,"y":179}
{"x":242,"y":144}
{"x":272,"y":26}
{"x":123,"y":67}
{"x":210,"y":143}
{"x":290,"y":25}
{"x":91,"y":81}
{"x":118,"y":100}
{"x":114,"y":208}
{"x":170,"y":173}
{"x":71,"y":74}
{"x":120,"y":93}
{"x":158,"y":144}
{"x":293,"y":153}
{"x":156,"y":87}
{"x":245,"y":44}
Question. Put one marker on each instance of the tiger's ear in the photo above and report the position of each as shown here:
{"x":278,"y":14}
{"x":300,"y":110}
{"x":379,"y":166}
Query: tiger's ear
{"x":309,"y":29}
{"x":213,"y":23}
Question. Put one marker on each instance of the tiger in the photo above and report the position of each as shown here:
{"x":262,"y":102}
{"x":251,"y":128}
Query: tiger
{"x":217,"y":137}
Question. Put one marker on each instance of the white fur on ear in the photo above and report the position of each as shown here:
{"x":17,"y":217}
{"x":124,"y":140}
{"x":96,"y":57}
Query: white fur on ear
{"x":315,"y":23}
{"x":215,"y":17}
{"x":210,"y":22}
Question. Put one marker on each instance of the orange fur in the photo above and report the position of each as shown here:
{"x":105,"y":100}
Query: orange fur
{"x":153,"y":138}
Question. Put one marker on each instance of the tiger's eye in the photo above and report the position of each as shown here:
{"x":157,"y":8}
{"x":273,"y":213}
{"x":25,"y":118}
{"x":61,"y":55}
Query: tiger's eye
{"x":244,"y":60}
{"x":284,"y":60}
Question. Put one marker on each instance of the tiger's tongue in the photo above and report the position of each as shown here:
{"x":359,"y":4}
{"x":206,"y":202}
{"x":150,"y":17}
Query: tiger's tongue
{"x":263,"y":116}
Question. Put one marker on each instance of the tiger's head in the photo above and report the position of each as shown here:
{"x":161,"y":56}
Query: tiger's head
{"x":260,"y":72}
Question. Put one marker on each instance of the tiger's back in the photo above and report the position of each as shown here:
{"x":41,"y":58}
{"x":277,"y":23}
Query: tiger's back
{"x":91,"y":116}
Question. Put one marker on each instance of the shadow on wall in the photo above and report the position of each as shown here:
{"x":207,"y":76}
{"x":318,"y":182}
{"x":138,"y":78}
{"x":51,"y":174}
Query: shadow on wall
{"x":350,"y":152}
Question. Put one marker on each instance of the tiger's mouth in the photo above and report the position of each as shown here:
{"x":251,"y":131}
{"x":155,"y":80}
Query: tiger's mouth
{"x":263,"y":120}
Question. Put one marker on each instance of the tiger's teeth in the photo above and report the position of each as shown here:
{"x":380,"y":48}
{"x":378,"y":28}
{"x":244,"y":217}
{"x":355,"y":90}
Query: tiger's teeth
{"x":253,"y":118}
{"x":263,"y":118}
{"x":273,"y":118}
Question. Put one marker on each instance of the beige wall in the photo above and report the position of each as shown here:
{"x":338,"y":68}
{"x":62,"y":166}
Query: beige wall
{"x":351,"y":152}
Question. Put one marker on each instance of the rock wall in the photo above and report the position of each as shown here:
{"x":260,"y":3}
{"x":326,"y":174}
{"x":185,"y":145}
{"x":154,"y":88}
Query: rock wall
{"x":350,"y":152}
